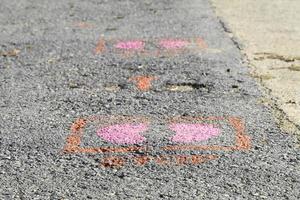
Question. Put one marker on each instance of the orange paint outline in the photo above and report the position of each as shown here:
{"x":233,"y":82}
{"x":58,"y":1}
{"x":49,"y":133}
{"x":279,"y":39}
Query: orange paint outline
{"x":100,"y":46}
{"x":114,"y":161}
{"x":242,"y":140}
{"x":74,"y":139}
{"x":201,"y":43}
{"x":197,"y":42}
{"x":162,"y":160}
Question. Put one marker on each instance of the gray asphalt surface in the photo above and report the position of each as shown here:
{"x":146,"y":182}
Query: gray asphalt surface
{"x":55,"y":78}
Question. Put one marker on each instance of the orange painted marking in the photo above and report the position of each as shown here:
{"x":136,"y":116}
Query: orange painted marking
{"x":192,"y":44}
{"x":182,"y":160}
{"x":120,"y":161}
{"x":111,"y":162}
{"x":242,"y":142}
{"x":162,"y":160}
{"x":142,"y":160}
{"x":201,"y":43}
{"x":100,"y":47}
{"x":83,"y":25}
{"x":143,"y":83}
{"x":194,"y":159}
{"x":197,"y":159}
{"x":74,"y":139}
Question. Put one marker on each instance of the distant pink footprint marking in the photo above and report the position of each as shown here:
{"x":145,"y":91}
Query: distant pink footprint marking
{"x":130,"y":45}
{"x":123,"y":133}
{"x":173,"y":43}
{"x":188,"y":133}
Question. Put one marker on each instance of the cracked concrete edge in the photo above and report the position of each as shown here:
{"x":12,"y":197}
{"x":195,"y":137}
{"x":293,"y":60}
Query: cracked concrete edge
{"x":267,"y":55}
{"x":281,"y":118}
{"x":285,"y":124}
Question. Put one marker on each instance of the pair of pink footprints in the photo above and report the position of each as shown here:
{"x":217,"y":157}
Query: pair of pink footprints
{"x":130,"y":133}
{"x":165,"y":43}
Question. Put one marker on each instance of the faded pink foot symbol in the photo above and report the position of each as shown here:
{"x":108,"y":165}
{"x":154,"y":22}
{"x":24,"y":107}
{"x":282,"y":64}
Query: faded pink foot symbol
{"x":130,"y":45}
{"x":123,"y":134}
{"x":173,"y":43}
{"x":188,"y":133}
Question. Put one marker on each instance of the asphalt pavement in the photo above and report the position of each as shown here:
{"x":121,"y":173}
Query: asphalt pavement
{"x":133,"y":100}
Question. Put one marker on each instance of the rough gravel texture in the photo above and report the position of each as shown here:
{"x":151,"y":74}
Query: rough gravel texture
{"x":53,"y":78}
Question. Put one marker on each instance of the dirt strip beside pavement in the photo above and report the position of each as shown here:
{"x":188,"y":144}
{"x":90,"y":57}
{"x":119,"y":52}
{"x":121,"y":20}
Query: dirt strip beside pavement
{"x":268,"y":33}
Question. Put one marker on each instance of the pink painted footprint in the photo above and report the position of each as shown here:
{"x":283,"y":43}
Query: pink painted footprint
{"x":188,"y":133}
{"x":130,"y":45}
{"x":173,"y":43}
{"x":123,"y":133}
